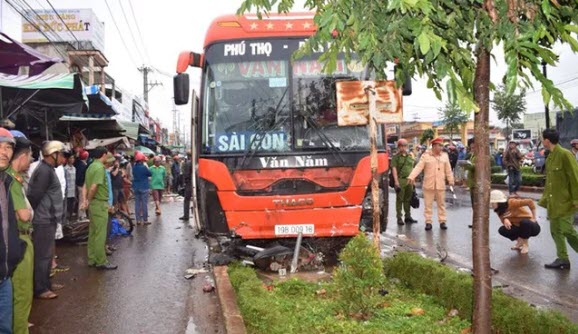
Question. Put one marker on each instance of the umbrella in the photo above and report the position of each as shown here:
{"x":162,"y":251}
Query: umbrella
{"x":14,"y":54}
{"x":144,"y":150}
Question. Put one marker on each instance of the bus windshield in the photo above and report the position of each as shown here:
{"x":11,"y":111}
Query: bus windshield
{"x":256,"y":99}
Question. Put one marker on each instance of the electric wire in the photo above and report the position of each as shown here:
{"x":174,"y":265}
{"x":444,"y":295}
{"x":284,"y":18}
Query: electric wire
{"x":62,"y":20}
{"x":19,"y":10}
{"x":120,"y":34}
{"x":130,"y":31}
{"x":144,"y":46}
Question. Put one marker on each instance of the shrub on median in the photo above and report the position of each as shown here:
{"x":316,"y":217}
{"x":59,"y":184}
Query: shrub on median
{"x":496,"y":169}
{"x":535,"y":180}
{"x":455,"y":290}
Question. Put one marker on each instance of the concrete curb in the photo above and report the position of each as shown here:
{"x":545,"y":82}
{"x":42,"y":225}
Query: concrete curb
{"x":234,"y":323}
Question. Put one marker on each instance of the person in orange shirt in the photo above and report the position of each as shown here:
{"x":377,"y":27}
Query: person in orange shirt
{"x":437,"y":170}
{"x":518,"y":215}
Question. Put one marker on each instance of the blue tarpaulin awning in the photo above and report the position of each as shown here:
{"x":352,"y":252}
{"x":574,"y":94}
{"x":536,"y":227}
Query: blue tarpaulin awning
{"x":99,"y":104}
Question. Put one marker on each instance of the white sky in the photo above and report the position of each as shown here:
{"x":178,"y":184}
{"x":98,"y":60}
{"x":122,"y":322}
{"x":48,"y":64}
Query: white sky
{"x":172,"y":26}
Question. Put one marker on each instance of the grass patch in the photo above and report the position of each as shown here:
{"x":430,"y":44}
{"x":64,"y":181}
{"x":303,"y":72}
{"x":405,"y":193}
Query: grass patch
{"x":296,"y":306}
{"x":360,"y":299}
{"x":455,"y":290}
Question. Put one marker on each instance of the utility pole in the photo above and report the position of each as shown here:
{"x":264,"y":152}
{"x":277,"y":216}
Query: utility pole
{"x":146,"y":86}
{"x":546,"y":108}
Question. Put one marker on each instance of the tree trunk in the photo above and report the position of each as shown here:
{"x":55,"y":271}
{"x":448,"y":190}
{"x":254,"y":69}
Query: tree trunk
{"x":482,"y":320}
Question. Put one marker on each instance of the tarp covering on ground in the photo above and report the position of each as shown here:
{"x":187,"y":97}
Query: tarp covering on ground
{"x":14,"y":54}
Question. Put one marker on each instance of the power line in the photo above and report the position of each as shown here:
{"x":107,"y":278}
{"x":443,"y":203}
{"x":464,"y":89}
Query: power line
{"x":62,"y":20}
{"x":19,"y":11}
{"x":56,"y":37}
{"x":130,"y":31}
{"x":120,"y":34}
{"x":139,"y":32}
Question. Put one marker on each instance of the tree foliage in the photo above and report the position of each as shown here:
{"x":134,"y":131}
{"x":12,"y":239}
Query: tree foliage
{"x":437,"y":39}
{"x":509,"y":106}
{"x":453,"y":117}
{"x":427,"y":134}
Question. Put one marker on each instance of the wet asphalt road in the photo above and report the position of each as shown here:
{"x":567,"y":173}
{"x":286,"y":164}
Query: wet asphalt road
{"x":147,"y":294}
{"x":521,"y":275}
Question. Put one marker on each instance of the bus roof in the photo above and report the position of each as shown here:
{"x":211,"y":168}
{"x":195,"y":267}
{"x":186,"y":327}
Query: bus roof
{"x":232,"y":27}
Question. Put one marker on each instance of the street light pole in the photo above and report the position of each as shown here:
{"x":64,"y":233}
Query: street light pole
{"x":546,"y":108}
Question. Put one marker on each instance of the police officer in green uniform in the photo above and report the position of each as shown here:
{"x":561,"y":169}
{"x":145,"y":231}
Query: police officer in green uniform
{"x":402,"y":165}
{"x":560,"y":197}
{"x":97,"y":203}
{"x":22,"y":279}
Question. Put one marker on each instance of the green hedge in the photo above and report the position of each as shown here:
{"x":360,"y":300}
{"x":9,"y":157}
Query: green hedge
{"x":527,"y":179}
{"x":533,"y":180}
{"x":496,"y":169}
{"x":498,"y":178}
{"x":527,"y":170}
{"x":455,"y":290}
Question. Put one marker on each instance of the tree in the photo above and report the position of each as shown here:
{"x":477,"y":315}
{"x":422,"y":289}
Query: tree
{"x":453,"y":117}
{"x":426,"y":135}
{"x":509,"y":107}
{"x":449,"y":41}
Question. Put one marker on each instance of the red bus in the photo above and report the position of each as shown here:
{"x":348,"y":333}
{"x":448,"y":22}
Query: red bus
{"x":271,"y":160}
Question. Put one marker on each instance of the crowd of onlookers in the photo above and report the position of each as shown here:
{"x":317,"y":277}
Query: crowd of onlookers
{"x":42,"y":190}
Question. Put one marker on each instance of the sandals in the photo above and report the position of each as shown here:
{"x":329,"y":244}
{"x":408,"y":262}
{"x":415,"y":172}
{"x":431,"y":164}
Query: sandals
{"x":61,"y":269}
{"x":47,"y":295}
{"x":56,"y":286}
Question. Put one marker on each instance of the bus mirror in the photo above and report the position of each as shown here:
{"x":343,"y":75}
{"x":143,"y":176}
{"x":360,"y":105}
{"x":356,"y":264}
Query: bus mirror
{"x":188,"y":58}
{"x":181,"y":88}
{"x":406,"y":89}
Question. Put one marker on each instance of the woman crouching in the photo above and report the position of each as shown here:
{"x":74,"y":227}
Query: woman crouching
{"x":518,"y":216}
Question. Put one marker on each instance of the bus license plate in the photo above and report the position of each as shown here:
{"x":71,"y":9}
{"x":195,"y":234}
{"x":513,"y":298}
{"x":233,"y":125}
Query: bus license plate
{"x":306,"y":229}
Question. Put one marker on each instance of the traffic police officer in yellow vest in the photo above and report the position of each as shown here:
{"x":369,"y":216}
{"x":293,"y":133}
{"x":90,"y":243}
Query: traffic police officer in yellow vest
{"x":96,"y":186}
{"x":402,"y":165}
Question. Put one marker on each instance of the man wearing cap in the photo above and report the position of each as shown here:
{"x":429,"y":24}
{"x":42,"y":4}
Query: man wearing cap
{"x":560,"y":197}
{"x":437,"y":170}
{"x":401,"y":166}
{"x":97,"y":189}
{"x":11,"y":247}
{"x":574,"y":146}
{"x":22,"y":279}
{"x":45,"y":196}
{"x":512,"y":160}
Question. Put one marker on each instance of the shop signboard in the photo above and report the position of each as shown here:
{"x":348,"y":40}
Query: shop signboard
{"x":82,"y":23}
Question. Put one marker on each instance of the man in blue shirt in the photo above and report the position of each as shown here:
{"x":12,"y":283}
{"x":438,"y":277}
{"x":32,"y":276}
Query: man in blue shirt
{"x":141,"y":186}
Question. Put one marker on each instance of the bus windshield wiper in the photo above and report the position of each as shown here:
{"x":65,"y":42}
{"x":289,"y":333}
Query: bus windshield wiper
{"x":260,"y":135}
{"x":326,"y":140}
